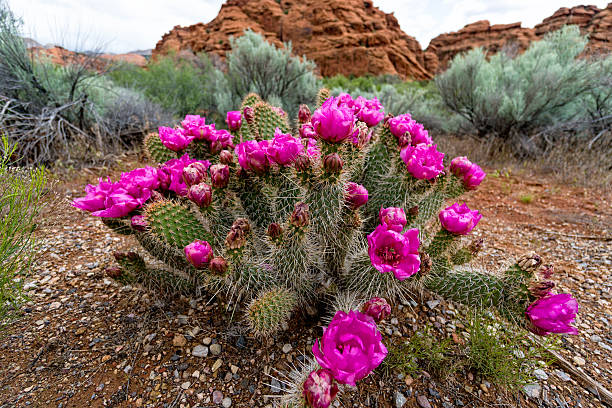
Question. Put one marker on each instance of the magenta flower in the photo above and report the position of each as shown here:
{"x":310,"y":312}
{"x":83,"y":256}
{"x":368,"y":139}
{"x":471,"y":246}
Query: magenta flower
{"x":201,"y":194}
{"x":400,"y":124}
{"x":234,"y":120}
{"x":418,"y":134}
{"x":377,"y":308}
{"x":95,"y":197}
{"x":174,"y":139}
{"x":219,"y":140}
{"x":284,"y":148}
{"x":356,"y":195}
{"x":391,"y":251}
{"x":553,"y":314}
{"x":136,"y":180}
{"x":139,"y":223}
{"x":319,"y":389}
{"x":199,"y":253}
{"x":423,"y":161}
{"x":312,"y":148}
{"x":333,"y":123}
{"x":351,"y":347}
{"x":471,"y":173}
{"x":279,"y":110}
{"x":307,"y":131}
{"x":193,"y":122}
{"x":252,"y":156}
{"x":458,"y":219}
{"x":394,"y":218}
{"x":370,"y":112}
{"x":219,"y":175}
{"x":171,"y":174}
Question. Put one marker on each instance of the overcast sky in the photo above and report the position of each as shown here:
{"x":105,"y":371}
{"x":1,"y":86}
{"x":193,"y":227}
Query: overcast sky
{"x":126,"y":25}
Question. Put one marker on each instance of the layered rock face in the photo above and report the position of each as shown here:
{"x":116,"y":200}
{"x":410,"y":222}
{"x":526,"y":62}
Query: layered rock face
{"x":61,"y":56}
{"x":350,"y":37}
{"x":479,"y":34}
{"x":595,"y":22}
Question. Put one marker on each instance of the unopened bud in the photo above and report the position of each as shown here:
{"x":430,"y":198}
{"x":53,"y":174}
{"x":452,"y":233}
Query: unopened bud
{"x":249,"y":114}
{"x":547,"y":270}
{"x":300,"y":216}
{"x":541,"y":289}
{"x":275,"y":231}
{"x":529,"y":262}
{"x":218,"y":266}
{"x":243,"y":224}
{"x":226,"y":157}
{"x":201,"y":194}
{"x":332,"y":163}
{"x":377,"y":308}
{"x":195,"y":173}
{"x":114,"y":272}
{"x":404,"y":140}
{"x":235,"y":239}
{"x":304,"y":114}
{"x":219,"y":175}
{"x":302,"y":163}
{"x":425,"y":263}
{"x":387,"y":118}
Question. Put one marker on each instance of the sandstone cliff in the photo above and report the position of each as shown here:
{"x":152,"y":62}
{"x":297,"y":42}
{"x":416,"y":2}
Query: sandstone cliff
{"x":351,"y":37}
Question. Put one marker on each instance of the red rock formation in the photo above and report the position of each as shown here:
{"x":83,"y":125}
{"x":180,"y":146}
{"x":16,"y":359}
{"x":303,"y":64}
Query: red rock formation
{"x":595,"y":22}
{"x":61,"y":56}
{"x":350,"y":37}
{"x":479,"y":34}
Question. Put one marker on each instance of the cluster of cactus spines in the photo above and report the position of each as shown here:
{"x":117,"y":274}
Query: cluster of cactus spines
{"x":280,"y":238}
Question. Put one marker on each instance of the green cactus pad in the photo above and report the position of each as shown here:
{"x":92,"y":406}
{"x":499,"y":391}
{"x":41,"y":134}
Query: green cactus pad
{"x":270,"y":310}
{"x":119,"y":225}
{"x":175,"y":224}
{"x":156,"y":151}
{"x":251,"y":100}
{"x":322,"y":96}
{"x":267,"y":120}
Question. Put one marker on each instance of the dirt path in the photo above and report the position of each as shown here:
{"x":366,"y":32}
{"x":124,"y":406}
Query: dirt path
{"x":85,"y":341}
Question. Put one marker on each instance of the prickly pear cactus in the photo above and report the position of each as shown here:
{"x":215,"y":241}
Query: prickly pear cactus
{"x":350,"y":203}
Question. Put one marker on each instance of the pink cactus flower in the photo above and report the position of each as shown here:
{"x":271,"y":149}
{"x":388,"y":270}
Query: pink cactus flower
{"x":391,"y":251}
{"x":370,"y":113}
{"x":174,"y":139}
{"x":400,"y":124}
{"x":459,"y":219}
{"x":319,"y":388}
{"x":423,"y":161}
{"x":307,"y":131}
{"x":219,"y":175}
{"x":199,"y":253}
{"x":193,"y":122}
{"x":356,"y":195}
{"x":172,"y":177}
{"x":312,"y":148}
{"x":471,"y":173}
{"x":136,"y":180}
{"x":333,"y":123}
{"x":95,"y":197}
{"x":394,"y":218}
{"x":377,"y":308}
{"x":351,"y":347}
{"x":553,"y":314}
{"x":201,"y":194}
{"x":252,"y":156}
{"x":234,"y":120}
{"x":284,"y":148}
{"x":418,"y":134}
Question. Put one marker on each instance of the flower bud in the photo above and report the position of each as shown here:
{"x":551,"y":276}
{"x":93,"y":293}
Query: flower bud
{"x":547,"y":271}
{"x":302,"y":163}
{"x":235,"y":239}
{"x":218,"y":265}
{"x":199,"y":253}
{"x":242,"y":224}
{"x":275,"y":231}
{"x":219,"y":175}
{"x":541,"y":289}
{"x":476,"y":246}
{"x":320,"y":389}
{"x":139,"y":223}
{"x":119,"y":255}
{"x":404,"y":140}
{"x":300,"y":215}
{"x":249,"y":114}
{"x":529,"y":262}
{"x":195,"y":173}
{"x":226,"y":157}
{"x":307,"y":131}
{"x":114,"y":272}
{"x":332,"y":163}
{"x":356,"y":195}
{"x":156,"y":196}
{"x":201,"y":194}
{"x":377,"y":308}
{"x":234,"y":120}
{"x":304,"y":114}
{"x":426,"y":263}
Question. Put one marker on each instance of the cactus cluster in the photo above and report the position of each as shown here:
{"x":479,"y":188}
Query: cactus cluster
{"x":288,"y":215}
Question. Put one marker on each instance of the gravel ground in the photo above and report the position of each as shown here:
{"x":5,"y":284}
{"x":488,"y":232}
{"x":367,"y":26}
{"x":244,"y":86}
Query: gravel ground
{"x":83,"y":340}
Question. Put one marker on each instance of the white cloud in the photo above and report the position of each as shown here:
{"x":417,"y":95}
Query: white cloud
{"x":122,"y":26}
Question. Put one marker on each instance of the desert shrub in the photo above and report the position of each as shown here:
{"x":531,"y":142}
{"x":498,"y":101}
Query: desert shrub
{"x":181,"y":84}
{"x":59,"y":112}
{"x":21,"y":190}
{"x":254,"y":65}
{"x":512,"y":97}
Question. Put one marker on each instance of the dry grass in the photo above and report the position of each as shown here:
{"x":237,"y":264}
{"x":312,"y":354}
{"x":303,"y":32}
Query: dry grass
{"x":566,"y":161}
